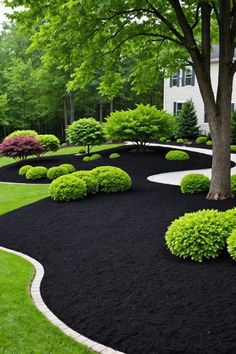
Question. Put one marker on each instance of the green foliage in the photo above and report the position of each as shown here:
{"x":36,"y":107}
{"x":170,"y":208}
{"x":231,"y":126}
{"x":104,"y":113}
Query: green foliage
{"x":163,"y":139}
{"x":57,"y":171}
{"x":89,"y":179}
{"x":198,"y":235}
{"x":233,"y":127}
{"x":231,"y":244}
{"x":86,"y":132}
{"x":140,"y":125}
{"x":67,"y":188}
{"x":230,"y":218}
{"x":35,"y":173}
{"x":87,"y":158}
{"x":112,"y":179}
{"x":209,"y":142}
{"x":82,"y":150}
{"x":69,"y":167}
{"x":23,"y":132}
{"x":50,"y":142}
{"x":180,"y":141}
{"x":177,"y":155}
{"x":24,"y":169}
{"x":233,"y":148}
{"x":115,"y":155}
{"x":201,"y":140}
{"x":194,"y":183}
{"x":187,"y":121}
{"x":233,"y":183}
{"x":95,"y":157}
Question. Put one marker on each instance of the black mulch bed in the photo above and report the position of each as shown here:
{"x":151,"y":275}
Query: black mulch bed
{"x":109,"y":274}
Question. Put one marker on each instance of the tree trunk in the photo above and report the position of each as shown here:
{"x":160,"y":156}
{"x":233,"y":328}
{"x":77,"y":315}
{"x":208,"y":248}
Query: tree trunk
{"x":65,"y":117}
{"x":111,"y":106}
{"x":72,"y":107}
{"x":101,"y":112}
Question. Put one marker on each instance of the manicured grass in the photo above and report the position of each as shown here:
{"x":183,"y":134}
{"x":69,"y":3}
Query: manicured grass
{"x":23,"y":328}
{"x":14,"y":196}
{"x":63,"y":151}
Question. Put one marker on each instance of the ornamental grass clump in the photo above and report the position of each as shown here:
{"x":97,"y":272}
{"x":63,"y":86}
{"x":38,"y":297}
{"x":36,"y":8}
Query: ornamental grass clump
{"x":112,"y":179}
{"x":57,"y":171}
{"x":70,"y":168}
{"x":38,"y":172}
{"x":89,"y":179}
{"x":24,"y":169}
{"x":195,"y":183}
{"x":177,"y":155}
{"x":198,"y":236}
{"x":67,"y":188}
{"x":231,"y":245}
{"x":20,"y":147}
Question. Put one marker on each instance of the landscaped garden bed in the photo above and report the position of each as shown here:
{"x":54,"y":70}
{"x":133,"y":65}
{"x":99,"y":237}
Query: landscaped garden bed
{"x":108,"y":272}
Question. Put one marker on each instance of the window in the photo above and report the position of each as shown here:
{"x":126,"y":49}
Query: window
{"x":174,"y":80}
{"x":177,"y":108}
{"x":232,"y":107}
{"x":188,"y":77}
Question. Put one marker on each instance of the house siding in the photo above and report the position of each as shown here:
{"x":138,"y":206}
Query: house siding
{"x":184,"y":93}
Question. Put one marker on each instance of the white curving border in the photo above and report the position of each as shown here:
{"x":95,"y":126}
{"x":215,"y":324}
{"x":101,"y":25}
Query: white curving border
{"x":38,"y":301}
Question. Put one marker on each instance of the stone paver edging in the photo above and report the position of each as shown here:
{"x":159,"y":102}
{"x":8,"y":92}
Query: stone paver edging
{"x":38,"y":301}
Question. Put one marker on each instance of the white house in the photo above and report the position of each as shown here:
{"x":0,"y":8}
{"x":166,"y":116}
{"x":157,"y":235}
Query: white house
{"x":183,"y":86}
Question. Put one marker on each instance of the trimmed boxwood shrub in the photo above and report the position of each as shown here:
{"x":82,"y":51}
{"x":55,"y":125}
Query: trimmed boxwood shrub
{"x":162,"y":139}
{"x":115,"y":155}
{"x":57,"y":171}
{"x":112,"y":179}
{"x":177,"y":155}
{"x":168,"y":141}
{"x":233,"y":148}
{"x":87,"y":158}
{"x":70,"y":168}
{"x":37,"y":172}
{"x":209,"y":142}
{"x":233,"y":183}
{"x":198,"y":235}
{"x":24,"y":169}
{"x":180,"y":141}
{"x":67,"y":188}
{"x":89,"y":179}
{"x":95,"y":157}
{"x":21,"y":147}
{"x":230,"y":217}
{"x":231,"y":244}
{"x":201,"y":140}
{"x":26,"y":132}
{"x":50,"y":142}
{"x":194,"y":183}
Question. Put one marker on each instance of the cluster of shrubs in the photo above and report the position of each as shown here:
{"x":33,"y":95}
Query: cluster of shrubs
{"x":203,"y":234}
{"x":77,"y":185}
{"x":94,"y":157}
{"x":40,"y":172}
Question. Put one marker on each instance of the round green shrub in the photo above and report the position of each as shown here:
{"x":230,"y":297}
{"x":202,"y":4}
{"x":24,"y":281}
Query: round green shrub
{"x":95,"y":157}
{"x":115,"y":155}
{"x":82,"y":150}
{"x":38,"y":172}
{"x":233,"y":148}
{"x":231,"y":244}
{"x":168,"y":141}
{"x":89,"y":179}
{"x":112,"y":179}
{"x":194,"y":183}
{"x":27,"y":132}
{"x":230,"y":218}
{"x":70,"y":168}
{"x":67,"y":188}
{"x":57,"y":171}
{"x":50,"y":142}
{"x":198,"y":235}
{"x":209,"y":142}
{"x":180,"y":141}
{"x":177,"y":155}
{"x":201,"y":140}
{"x":162,"y":139}
{"x":24,"y":169}
{"x":87,"y":158}
{"x":233,"y":183}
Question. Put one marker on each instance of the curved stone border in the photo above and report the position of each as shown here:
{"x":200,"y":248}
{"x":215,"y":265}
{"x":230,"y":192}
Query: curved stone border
{"x":175,"y":177}
{"x":42,"y":307}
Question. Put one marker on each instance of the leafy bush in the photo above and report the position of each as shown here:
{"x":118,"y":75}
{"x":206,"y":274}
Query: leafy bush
{"x":49,"y":141}
{"x":87,"y":158}
{"x":112,"y":179}
{"x":162,"y":139}
{"x":230,"y":218}
{"x":209,"y":142}
{"x":180,"y":141}
{"x":21,"y":147}
{"x":143,"y":124}
{"x":201,"y":140}
{"x":194,"y":183}
{"x":177,"y":155}
{"x":115,"y":155}
{"x":24,"y":169}
{"x":233,"y":127}
{"x":57,"y":171}
{"x":198,"y":235}
{"x":231,"y":244}
{"x":67,"y":188}
{"x":233,"y":183}
{"x":38,"y":172}
{"x":168,"y":141}
{"x":187,"y":121}
{"x":95,"y":157}
{"x":233,"y":148}
{"x":89,"y":179}
{"x":70,"y":168}
{"x":23,"y":132}
{"x":86,"y":132}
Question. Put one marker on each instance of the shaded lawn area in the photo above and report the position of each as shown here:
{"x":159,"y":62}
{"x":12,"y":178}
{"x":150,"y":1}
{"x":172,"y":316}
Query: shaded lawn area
{"x":23,"y":328}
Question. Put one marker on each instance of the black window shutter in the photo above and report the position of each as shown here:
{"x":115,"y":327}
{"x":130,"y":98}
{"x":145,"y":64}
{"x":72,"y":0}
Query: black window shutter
{"x":171,"y":81}
{"x":178,"y":78}
{"x":183,"y":77}
{"x":175,"y":108}
{"x":193,"y":77}
{"x":232,"y":107}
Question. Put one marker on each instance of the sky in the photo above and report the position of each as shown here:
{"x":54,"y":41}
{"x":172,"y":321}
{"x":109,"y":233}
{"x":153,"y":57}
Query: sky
{"x":3,"y":9}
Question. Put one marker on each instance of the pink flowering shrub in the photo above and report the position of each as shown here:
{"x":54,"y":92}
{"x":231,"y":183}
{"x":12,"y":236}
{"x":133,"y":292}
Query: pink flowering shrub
{"x":21,"y":147}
